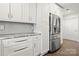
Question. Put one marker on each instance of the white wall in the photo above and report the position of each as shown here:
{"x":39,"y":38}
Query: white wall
{"x":70,"y":27}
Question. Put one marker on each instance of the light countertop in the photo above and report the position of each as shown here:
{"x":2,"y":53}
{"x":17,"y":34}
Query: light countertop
{"x":9,"y":36}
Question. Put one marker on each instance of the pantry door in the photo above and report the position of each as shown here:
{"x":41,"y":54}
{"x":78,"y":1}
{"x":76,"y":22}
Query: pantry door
{"x":70,"y":28}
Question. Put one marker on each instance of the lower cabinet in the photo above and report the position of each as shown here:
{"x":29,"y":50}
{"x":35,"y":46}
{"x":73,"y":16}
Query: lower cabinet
{"x":23,"y":46}
{"x":19,"y":50}
{"x":37,"y":46}
{"x":17,"y":47}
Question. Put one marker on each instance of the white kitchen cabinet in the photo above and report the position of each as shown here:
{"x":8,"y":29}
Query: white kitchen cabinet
{"x":10,"y":12}
{"x":32,"y":12}
{"x":17,"y":47}
{"x":39,"y":18}
{"x":37,"y":45}
{"x":22,"y":46}
{"x":16,"y":12}
{"x":16,"y":41}
{"x":43,"y":25}
{"x":24,"y":49}
{"x":29,"y":12}
{"x":4,"y":11}
{"x":25,"y":12}
{"x":45,"y":28}
{"x":26,"y":52}
{"x":52,"y":8}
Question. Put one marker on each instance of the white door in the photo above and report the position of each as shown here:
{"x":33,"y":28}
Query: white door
{"x":16,"y":11}
{"x":70,"y":28}
{"x":4,"y":11}
{"x":32,"y":12}
{"x":25,"y":12}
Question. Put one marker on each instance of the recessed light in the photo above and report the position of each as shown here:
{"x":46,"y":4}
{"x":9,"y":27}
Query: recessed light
{"x":68,"y":10}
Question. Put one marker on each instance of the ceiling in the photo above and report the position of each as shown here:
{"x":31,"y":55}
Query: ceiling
{"x":72,"y":7}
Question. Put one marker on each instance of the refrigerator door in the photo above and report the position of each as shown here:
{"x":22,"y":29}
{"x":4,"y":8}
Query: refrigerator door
{"x":54,"y":32}
{"x":52,"y":23}
{"x":58,"y":25}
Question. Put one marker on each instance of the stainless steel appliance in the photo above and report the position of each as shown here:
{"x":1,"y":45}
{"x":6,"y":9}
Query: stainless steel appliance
{"x":54,"y":32}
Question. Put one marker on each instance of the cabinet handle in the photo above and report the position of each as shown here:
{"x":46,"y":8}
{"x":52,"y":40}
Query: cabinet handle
{"x":22,"y":40}
{"x":21,"y":49}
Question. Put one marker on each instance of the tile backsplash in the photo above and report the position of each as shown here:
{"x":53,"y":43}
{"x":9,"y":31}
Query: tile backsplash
{"x":11,"y":27}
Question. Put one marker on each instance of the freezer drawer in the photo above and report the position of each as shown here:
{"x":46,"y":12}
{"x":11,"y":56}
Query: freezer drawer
{"x":55,"y":44}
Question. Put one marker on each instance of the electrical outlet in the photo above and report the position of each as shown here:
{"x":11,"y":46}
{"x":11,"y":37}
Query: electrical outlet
{"x":2,"y":27}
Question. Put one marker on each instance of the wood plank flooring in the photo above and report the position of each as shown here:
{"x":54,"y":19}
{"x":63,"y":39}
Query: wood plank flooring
{"x":69,"y":48}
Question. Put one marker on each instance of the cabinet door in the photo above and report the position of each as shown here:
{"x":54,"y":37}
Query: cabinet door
{"x":37,"y":47}
{"x":45,"y":28}
{"x":32,"y":12}
{"x":52,"y":8}
{"x":43,"y":25}
{"x":16,"y":12}
{"x":4,"y":11}
{"x":25,"y":12}
{"x":39,"y":18}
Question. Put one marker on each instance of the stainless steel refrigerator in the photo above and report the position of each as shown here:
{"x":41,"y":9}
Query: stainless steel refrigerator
{"x":54,"y":32}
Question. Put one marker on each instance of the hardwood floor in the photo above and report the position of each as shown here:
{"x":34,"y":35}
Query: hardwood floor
{"x":69,"y":48}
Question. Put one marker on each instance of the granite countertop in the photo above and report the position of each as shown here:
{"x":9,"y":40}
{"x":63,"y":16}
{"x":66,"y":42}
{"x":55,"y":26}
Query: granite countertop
{"x":9,"y":36}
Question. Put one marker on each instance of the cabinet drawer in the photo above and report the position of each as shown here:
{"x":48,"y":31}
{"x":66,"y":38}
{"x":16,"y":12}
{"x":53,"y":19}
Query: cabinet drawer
{"x":16,"y":41}
{"x":21,"y":49}
{"x":28,"y":52}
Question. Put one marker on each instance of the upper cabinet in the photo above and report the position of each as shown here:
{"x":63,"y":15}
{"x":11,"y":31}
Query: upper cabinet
{"x":29,"y":12}
{"x":25,"y":12}
{"x":55,"y":9}
{"x":16,"y":11}
{"x":32,"y":12}
{"x":4,"y":11}
{"x":10,"y":12}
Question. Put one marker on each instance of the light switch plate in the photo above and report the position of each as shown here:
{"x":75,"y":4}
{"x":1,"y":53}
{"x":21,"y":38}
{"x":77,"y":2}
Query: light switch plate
{"x":2,"y":27}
